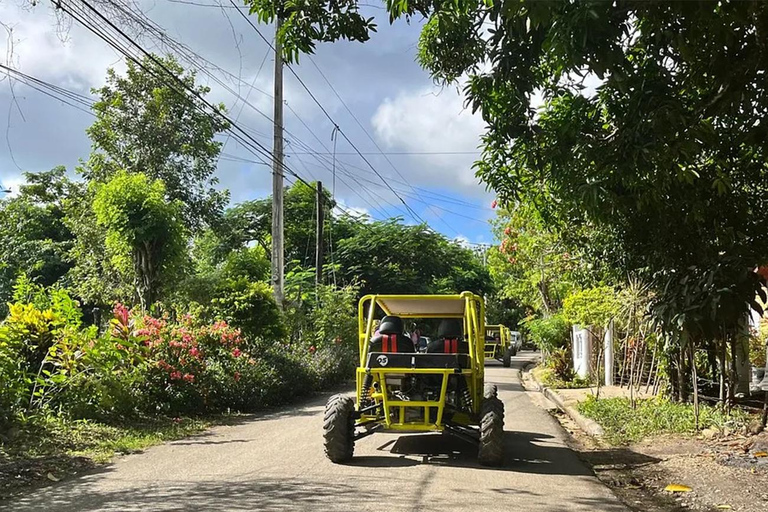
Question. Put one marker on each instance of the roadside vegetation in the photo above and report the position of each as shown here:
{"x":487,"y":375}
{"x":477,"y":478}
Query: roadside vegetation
{"x":135,"y":304}
{"x":627,"y":147}
{"x":624,"y":423}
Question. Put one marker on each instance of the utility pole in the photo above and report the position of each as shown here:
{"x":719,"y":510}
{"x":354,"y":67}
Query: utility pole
{"x":319,"y":240}
{"x":278,"y":252}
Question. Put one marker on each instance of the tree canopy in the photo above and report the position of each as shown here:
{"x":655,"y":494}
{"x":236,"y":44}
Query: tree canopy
{"x":146,"y":123}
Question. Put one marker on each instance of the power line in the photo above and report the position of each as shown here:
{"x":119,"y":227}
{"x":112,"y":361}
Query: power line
{"x":241,"y":135}
{"x":390,"y":153}
{"x":412,"y":212}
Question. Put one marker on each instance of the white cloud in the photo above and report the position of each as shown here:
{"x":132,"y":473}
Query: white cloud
{"x":46,"y":45}
{"x":12,"y":182}
{"x":431,"y":120}
{"x":344,"y":209}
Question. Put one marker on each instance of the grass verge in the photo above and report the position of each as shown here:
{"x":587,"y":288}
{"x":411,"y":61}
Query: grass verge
{"x":48,"y":448}
{"x":547,"y":377}
{"x":624,"y":424}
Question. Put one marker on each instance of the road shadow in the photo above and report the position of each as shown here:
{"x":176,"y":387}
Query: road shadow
{"x":525,"y":452}
{"x":253,"y":494}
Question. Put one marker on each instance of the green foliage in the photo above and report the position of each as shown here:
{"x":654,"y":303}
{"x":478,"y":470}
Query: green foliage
{"x":549,"y":378}
{"x":39,"y":347}
{"x":549,"y":333}
{"x":33,"y":234}
{"x":533,"y":265}
{"x":144,"y":234}
{"x":389,"y":257}
{"x":624,"y":424}
{"x":144,"y":125}
{"x":304,"y":22}
{"x":251,"y":307}
{"x":593,"y":307}
{"x":251,"y":222}
{"x":560,"y":362}
{"x":48,"y":435}
{"x":93,"y":276}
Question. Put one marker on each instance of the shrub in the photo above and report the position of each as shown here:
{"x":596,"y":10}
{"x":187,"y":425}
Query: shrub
{"x":559,"y":361}
{"x":250,"y":307}
{"x":549,"y":333}
{"x":623,"y":423}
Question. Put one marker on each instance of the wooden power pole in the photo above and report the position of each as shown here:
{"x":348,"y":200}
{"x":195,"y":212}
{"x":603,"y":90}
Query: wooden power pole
{"x":278,"y":251}
{"x":319,"y":240}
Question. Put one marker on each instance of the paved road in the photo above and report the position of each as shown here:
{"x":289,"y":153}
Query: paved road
{"x":276,"y":462}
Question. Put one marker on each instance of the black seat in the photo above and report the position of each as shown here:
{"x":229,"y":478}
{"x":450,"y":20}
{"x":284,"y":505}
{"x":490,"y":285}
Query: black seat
{"x":390,"y":337}
{"x":450,"y":338}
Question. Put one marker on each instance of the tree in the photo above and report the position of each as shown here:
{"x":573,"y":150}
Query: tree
{"x":533,"y":264}
{"x":146,"y":123}
{"x":33,"y":235}
{"x":145,"y":238}
{"x":251,"y":221}
{"x":389,"y":257}
{"x":305,"y":22}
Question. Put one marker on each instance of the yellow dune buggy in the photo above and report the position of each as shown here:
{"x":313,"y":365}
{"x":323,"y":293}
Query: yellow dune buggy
{"x":402,"y":390}
{"x":499,"y":345}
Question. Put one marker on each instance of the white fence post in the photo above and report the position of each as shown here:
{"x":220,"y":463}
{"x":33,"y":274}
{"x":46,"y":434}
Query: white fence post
{"x":608,"y":351}
{"x":582,"y":351}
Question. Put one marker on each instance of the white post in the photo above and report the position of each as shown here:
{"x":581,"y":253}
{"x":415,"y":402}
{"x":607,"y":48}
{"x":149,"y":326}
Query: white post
{"x":608,"y":351}
{"x":582,"y":351}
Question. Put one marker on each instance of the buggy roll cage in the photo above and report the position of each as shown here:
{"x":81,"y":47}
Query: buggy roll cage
{"x":467,"y":306}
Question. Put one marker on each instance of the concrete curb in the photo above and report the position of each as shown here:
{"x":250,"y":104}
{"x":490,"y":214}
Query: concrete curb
{"x":589,"y":426}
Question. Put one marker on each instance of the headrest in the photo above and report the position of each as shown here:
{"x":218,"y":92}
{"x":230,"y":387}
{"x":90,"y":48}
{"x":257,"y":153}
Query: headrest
{"x":450,"y":328}
{"x":391,"y":325}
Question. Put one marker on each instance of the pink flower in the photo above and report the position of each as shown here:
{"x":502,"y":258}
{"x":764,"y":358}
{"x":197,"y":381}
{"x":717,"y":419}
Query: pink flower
{"x":121,"y":313}
{"x":194,"y":352}
{"x":312,"y":349}
{"x":494,"y":204}
{"x":176,"y":375}
{"x":236,"y":352}
{"x":237,"y":376}
{"x":188,"y":377}
{"x":507,"y":230}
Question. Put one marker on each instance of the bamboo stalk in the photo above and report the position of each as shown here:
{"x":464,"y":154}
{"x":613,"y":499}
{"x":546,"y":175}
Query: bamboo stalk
{"x":623,"y":362}
{"x":641,"y":366}
{"x":650,"y":370}
{"x":695,"y":389}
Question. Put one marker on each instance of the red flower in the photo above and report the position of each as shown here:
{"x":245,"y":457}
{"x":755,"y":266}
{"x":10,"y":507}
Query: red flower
{"x":312,"y":349}
{"x":121,"y":313}
{"x":236,"y":352}
{"x":175,"y":375}
{"x":494,"y":204}
{"x":188,"y":377}
{"x":237,"y":376}
{"x":194,"y":352}
{"x":507,"y":230}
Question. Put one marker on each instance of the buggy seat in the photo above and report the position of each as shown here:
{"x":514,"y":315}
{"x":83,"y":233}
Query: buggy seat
{"x":391,"y":337}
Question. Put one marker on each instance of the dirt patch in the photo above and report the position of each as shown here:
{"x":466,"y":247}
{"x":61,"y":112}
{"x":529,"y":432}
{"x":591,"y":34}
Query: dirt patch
{"x":723,"y":473}
{"x":22,"y":475}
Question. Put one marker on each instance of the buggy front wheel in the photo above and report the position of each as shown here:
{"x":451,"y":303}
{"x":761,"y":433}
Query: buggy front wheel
{"x":339,"y":428}
{"x":491,"y":449}
{"x":506,"y":359}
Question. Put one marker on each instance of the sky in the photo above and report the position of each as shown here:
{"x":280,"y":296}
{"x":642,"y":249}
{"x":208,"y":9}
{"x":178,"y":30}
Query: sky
{"x":382,"y":100}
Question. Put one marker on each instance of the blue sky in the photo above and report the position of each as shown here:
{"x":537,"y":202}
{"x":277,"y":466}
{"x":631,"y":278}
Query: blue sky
{"x":430,"y":140}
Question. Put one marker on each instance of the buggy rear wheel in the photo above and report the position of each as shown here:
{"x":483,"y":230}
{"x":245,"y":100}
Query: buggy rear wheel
{"x":339,"y":428}
{"x":491,"y":451}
